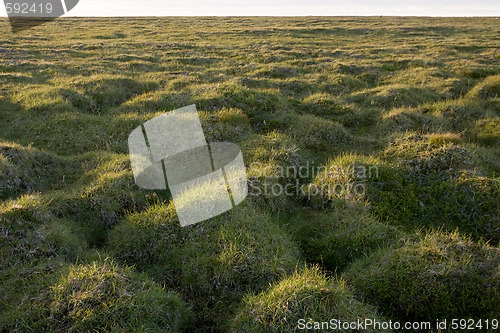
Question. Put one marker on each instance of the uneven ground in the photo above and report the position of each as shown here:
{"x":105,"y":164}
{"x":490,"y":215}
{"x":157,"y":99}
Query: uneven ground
{"x":416,"y":99}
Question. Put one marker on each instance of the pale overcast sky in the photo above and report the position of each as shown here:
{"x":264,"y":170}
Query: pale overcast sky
{"x":283,"y":8}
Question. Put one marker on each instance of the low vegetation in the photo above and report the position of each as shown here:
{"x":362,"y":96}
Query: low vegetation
{"x":373,"y":160}
{"x":436,"y":275}
{"x":308,"y":295}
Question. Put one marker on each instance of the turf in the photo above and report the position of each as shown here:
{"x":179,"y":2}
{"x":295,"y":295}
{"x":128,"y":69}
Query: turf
{"x":402,"y":115}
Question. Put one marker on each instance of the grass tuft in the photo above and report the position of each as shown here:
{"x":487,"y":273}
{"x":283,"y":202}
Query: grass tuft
{"x":436,"y":275}
{"x":308,"y":295}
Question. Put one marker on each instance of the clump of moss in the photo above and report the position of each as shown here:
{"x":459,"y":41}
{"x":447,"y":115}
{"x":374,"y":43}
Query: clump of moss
{"x":437,"y":275}
{"x":435,"y":153}
{"x":226,"y":125}
{"x":319,"y":134}
{"x":272,"y":160}
{"x":339,"y":236}
{"x":487,"y":131}
{"x":102,"y":296}
{"x":488,"y":88}
{"x":25,"y":169}
{"x":214,"y":262}
{"x":343,"y":177}
{"x":308,"y":295}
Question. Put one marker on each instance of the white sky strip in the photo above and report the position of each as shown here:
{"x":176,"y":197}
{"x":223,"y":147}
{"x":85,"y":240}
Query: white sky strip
{"x":283,"y":8}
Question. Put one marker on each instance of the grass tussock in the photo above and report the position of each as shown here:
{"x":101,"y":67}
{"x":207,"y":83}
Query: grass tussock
{"x":338,"y":237}
{"x":26,"y":169}
{"x":488,"y":88}
{"x":308,"y":295}
{"x":437,"y":275}
{"x":214,"y":263}
{"x":106,"y":297}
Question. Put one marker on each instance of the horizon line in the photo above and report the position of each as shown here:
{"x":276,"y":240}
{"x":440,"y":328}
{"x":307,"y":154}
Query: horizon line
{"x":270,"y":15}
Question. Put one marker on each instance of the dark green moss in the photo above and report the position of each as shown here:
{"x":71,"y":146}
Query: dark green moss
{"x":434,"y":276}
{"x":213,"y":263}
{"x":306,"y":295}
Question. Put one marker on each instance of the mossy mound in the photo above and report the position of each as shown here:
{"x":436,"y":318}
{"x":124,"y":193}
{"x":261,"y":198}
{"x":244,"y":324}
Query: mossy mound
{"x":265,"y":109}
{"x":225,"y":125}
{"x":400,"y":120}
{"x":289,"y":87}
{"x":272,"y":162}
{"x":336,"y":237}
{"x":343,"y":177}
{"x":488,"y":88}
{"x":338,"y":110}
{"x":104,"y":297}
{"x":461,"y":115}
{"x":415,"y":184}
{"x":320,"y":135}
{"x":487,"y":131}
{"x":30,"y":232}
{"x":307,"y":295}
{"x":214,"y":262}
{"x":436,"y":153}
{"x":394,"y":96}
{"x":414,"y":201}
{"x":104,"y":193}
{"x":34,"y":244}
{"x":91,"y":95}
{"x":424,"y":182}
{"x":439,"y":275}
{"x":25,"y":169}
{"x":322,"y":104}
{"x":96,"y":94}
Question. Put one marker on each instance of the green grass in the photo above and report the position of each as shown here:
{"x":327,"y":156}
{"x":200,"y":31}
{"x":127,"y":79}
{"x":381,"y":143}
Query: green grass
{"x":101,"y":296}
{"x":339,"y":236}
{"x":413,"y":100}
{"x":437,"y":275}
{"x":214,"y":263}
{"x":307,"y":294}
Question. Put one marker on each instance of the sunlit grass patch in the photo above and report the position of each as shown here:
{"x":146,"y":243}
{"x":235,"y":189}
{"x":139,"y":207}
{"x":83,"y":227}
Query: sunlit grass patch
{"x":102,"y":296}
{"x":488,"y":88}
{"x":432,"y":276}
{"x":215,"y":262}
{"x":306,"y":295}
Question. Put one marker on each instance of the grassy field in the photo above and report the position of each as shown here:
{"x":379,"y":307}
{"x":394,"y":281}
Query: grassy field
{"x":415,"y":100}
